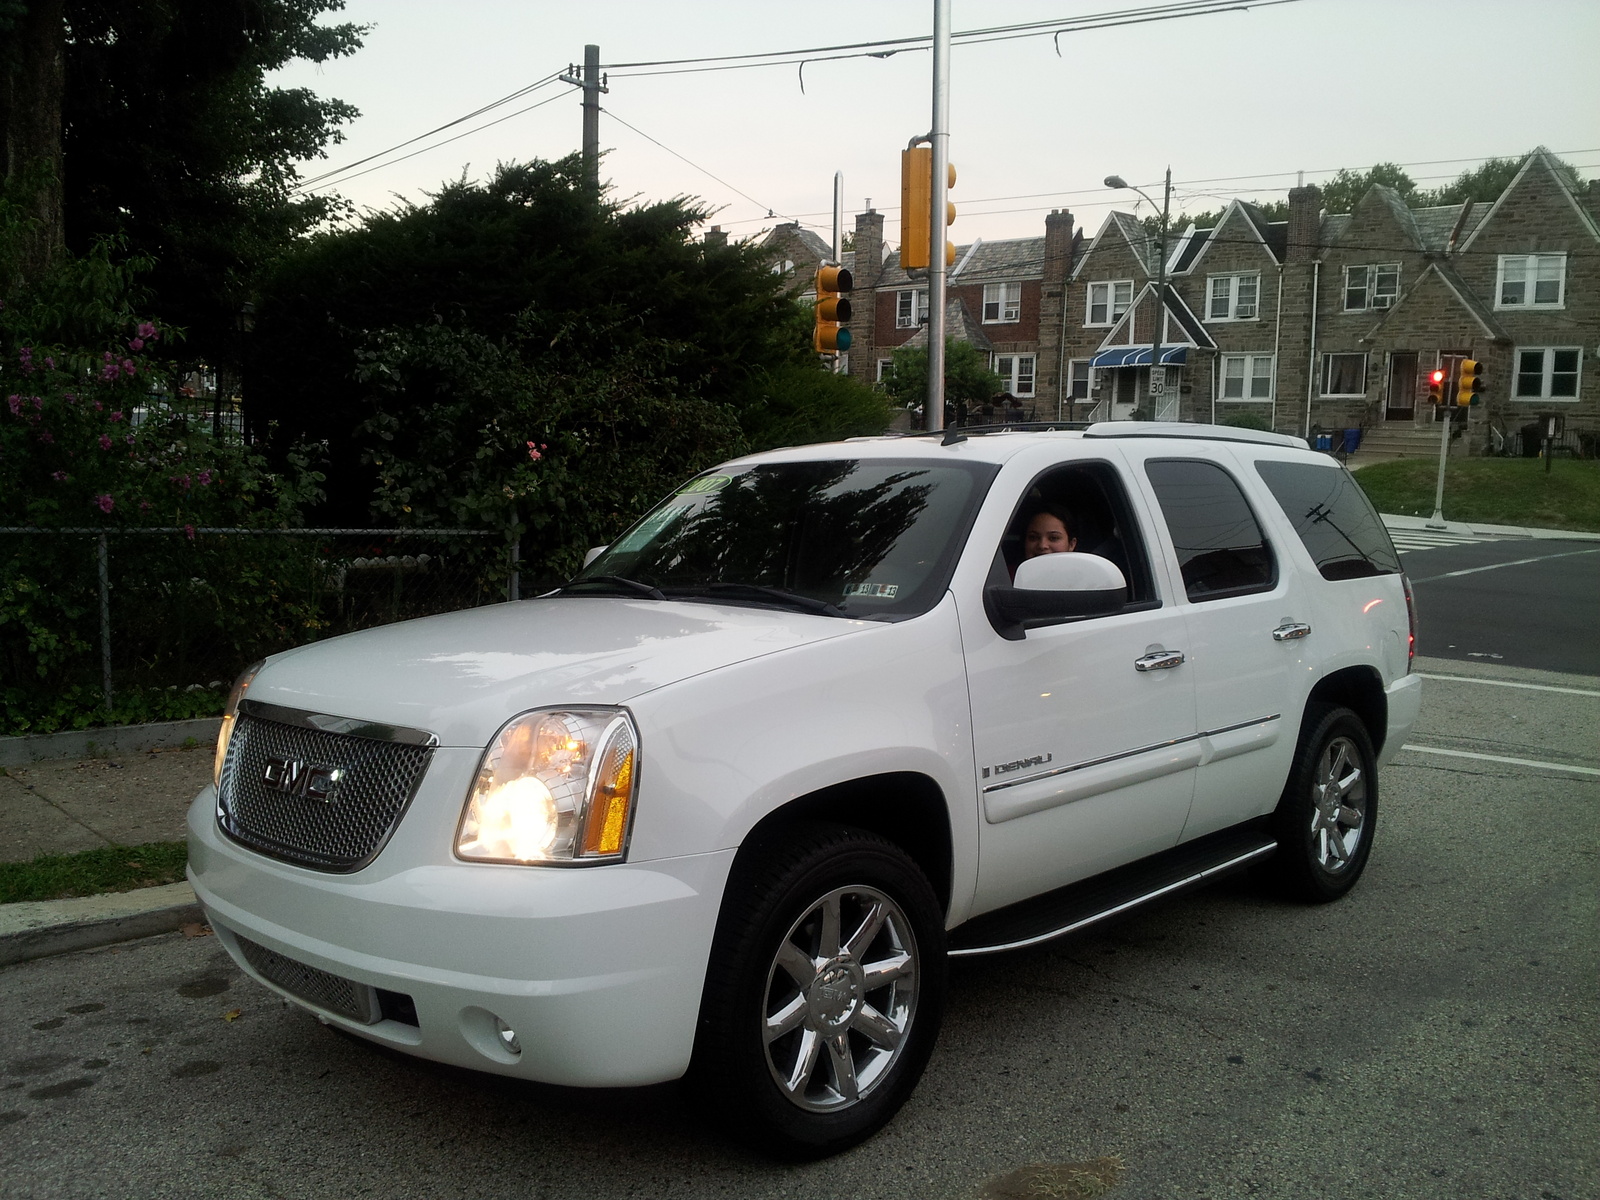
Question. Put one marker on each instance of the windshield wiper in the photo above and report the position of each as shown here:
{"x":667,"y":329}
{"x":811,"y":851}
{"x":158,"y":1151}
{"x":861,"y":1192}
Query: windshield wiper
{"x":617,"y":583}
{"x":763,"y":594}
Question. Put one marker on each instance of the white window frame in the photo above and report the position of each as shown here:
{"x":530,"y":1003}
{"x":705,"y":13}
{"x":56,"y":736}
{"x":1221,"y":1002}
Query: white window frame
{"x":1529,"y":267}
{"x":1002,"y":303}
{"x":1366,"y":280}
{"x":1249,"y":373}
{"x":1546,"y":375}
{"x":1327,"y":363}
{"x":1113,"y":312}
{"x":1012,"y":374}
{"x":1232,"y":281}
{"x":1079,"y":368}
{"x":885,"y":369}
{"x":917,"y":315}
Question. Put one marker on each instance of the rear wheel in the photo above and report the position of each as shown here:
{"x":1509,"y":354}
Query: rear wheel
{"x":1329,"y":808}
{"x":824,"y":994}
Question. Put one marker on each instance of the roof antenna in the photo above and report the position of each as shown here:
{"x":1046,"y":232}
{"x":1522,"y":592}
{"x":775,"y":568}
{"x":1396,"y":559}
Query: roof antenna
{"x":952,"y":436}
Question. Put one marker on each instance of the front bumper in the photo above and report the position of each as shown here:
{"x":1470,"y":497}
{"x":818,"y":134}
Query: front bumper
{"x":598,"y":970}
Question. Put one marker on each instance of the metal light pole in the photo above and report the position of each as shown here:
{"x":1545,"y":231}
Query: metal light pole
{"x":940,"y":137}
{"x":1117,"y":181}
{"x":838,"y":243}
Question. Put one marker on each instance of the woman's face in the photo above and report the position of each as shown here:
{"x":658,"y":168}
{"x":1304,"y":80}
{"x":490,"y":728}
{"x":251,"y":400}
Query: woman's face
{"x":1047,"y":535}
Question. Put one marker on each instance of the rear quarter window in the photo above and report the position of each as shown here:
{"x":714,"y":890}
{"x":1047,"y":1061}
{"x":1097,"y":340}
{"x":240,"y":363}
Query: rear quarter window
{"x":1338,"y":525}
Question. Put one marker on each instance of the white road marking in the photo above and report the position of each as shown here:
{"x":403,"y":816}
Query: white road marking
{"x":1521,"y":562}
{"x":1532,"y":687}
{"x":1500,"y":758}
{"x":1423,"y":539}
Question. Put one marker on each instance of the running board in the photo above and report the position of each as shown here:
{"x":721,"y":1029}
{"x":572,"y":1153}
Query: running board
{"x":1079,"y":905}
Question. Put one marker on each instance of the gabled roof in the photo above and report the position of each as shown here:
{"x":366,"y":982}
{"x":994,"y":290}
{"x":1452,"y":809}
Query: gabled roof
{"x":1007,"y":259}
{"x":1187,"y":250}
{"x":1542,"y":158}
{"x":1272,"y":235}
{"x":1126,"y":227}
{"x":1464,"y":295}
{"x":1177,"y":310}
{"x":958,"y":326}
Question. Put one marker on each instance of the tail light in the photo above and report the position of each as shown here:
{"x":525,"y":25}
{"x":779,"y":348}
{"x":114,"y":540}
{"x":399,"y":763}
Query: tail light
{"x":1411,"y":623}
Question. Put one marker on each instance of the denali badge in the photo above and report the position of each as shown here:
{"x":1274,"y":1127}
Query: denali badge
{"x":1038,"y":760}
{"x":310,"y":780}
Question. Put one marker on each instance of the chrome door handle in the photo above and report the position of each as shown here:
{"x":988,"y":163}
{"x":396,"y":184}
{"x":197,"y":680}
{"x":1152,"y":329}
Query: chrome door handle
{"x":1290,"y":631}
{"x":1161,"y":660}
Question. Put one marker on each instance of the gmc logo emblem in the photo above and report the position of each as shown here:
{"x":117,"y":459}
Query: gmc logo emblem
{"x":311,"y":781}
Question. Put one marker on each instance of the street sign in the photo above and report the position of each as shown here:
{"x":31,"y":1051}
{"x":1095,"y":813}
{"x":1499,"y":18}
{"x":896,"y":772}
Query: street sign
{"x":1158,"y":381}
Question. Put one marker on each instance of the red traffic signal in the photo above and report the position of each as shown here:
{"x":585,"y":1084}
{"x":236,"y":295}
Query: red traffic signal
{"x":1436,"y":379}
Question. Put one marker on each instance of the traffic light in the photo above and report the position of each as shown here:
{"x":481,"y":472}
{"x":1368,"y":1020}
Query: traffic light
{"x":1470,"y":382}
{"x":829,"y":336}
{"x":1436,"y":379}
{"x":916,"y":207}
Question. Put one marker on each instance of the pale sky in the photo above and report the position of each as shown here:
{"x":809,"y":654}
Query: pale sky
{"x":1315,"y":85}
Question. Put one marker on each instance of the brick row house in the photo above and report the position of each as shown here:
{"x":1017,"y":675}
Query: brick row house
{"x":1323,"y":321}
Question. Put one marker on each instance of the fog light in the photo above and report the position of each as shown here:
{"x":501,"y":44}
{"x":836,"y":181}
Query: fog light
{"x":508,"y":1036}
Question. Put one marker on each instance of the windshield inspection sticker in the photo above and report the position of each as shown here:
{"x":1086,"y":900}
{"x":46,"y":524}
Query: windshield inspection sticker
{"x":878,"y":591}
{"x":706,"y":483}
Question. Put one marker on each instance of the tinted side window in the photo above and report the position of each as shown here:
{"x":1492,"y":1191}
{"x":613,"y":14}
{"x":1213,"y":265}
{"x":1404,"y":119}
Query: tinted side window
{"x":1220,"y":546}
{"x":1342,"y":532}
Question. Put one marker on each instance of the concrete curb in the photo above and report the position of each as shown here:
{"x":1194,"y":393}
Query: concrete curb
{"x":105,"y":739}
{"x":38,"y":929}
{"x":1396,"y":521}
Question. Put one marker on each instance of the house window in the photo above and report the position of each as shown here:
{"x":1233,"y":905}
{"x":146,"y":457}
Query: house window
{"x":1548,"y":373}
{"x":1371,"y":286}
{"x":885,"y":369}
{"x":1002,"y":302}
{"x":1344,"y":374}
{"x":911,"y":308}
{"x":1233,"y":297}
{"x":1532,"y":281}
{"x":1016,"y":373}
{"x":1078,"y":379}
{"x":1246,"y":377}
{"x":1108,"y":301}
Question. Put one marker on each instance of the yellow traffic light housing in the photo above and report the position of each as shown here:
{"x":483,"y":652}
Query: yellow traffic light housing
{"x":1469,"y":383}
{"x":829,"y":335}
{"x":916,"y":207}
{"x":1436,"y":379}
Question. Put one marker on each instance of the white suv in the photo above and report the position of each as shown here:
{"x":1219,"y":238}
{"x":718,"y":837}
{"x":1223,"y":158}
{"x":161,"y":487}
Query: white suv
{"x":726,"y":803}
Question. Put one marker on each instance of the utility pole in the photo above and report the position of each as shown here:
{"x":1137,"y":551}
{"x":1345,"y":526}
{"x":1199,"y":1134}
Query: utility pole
{"x":1158,"y":373}
{"x":838,"y":242}
{"x":938,"y":197}
{"x":592,"y":83}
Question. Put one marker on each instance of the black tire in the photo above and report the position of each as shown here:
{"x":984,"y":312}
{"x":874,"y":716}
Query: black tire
{"x":876,"y":1037}
{"x":1329,"y":809}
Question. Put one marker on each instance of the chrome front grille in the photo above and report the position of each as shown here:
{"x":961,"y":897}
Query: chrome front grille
{"x":320,"y":792}
{"x":335,"y":993}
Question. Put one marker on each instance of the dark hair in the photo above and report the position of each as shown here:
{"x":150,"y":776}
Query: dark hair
{"x":1058,"y":511}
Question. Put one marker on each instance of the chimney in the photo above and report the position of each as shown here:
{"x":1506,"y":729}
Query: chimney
{"x":1305,"y":223}
{"x":716,"y":236}
{"x":869,"y":248}
{"x":1057,"y":246}
{"x":867,"y":271}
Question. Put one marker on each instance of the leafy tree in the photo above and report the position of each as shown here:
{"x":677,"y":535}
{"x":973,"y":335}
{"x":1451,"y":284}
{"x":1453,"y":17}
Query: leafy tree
{"x":1484,"y":184}
{"x":794,"y":404}
{"x":969,"y":382}
{"x":1344,"y":191}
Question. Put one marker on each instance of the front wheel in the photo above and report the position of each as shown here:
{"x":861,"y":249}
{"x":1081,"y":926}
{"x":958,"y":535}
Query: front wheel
{"x":1329,"y":808}
{"x":824,"y":994}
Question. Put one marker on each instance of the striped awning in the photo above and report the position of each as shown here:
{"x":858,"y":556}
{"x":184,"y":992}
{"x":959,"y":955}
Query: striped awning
{"x":1139,"y":356}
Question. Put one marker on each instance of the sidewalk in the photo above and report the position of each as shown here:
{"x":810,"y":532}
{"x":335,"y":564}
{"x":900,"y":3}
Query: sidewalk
{"x":1395,"y":521}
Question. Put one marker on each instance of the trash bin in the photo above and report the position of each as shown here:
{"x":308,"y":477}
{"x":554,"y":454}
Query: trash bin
{"x":1352,"y":440}
{"x":1325,"y":441}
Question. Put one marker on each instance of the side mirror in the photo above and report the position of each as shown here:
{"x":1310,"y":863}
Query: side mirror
{"x":1059,"y":587}
{"x":593,"y":553}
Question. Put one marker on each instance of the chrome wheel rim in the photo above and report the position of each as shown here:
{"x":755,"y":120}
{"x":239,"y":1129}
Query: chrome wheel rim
{"x":1338,"y":805}
{"x":840,"y":998}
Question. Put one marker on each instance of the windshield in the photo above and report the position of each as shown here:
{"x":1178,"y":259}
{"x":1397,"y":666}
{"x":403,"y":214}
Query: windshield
{"x":869,"y":537}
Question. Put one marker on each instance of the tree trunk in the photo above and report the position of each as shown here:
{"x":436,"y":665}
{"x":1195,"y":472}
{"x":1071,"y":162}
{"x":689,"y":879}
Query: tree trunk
{"x":30,"y":120}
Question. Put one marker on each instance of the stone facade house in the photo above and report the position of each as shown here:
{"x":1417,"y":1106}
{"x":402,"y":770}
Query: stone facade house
{"x":1325,"y":321}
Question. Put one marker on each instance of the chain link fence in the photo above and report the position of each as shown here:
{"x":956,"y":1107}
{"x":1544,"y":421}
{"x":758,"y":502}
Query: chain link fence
{"x":109,"y":614}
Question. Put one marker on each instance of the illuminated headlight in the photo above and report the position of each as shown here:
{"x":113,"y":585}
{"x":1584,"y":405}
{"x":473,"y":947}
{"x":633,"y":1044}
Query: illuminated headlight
{"x":240,"y":686}
{"x":553,"y":787}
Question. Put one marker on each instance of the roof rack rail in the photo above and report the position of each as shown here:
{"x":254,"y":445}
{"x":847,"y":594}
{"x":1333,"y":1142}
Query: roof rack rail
{"x":1188,"y":429}
{"x":1006,"y":427}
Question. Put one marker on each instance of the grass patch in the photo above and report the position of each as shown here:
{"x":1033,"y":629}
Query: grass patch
{"x":1494,"y":491}
{"x":91,"y":872}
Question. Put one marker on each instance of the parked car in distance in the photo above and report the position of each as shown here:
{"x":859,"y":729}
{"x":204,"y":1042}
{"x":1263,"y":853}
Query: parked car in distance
{"x":725,"y":804}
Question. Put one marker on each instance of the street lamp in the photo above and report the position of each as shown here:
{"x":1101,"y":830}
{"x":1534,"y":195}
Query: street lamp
{"x":1117,"y":181}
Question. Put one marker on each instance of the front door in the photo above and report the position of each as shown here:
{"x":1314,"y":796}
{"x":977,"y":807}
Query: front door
{"x":1402,"y":401}
{"x":1128,"y":388}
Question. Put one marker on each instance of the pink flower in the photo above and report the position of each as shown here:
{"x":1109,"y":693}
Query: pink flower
{"x":136,"y":345}
{"x":129,"y":439}
{"x":58,"y":476}
{"x":38,"y":404}
{"x":145,"y":506}
{"x":147,"y":330}
{"x":204,"y":478}
{"x":109,"y":372}
{"x":98,"y":406}
{"x":533,"y":453}
{"x":115,"y":417}
{"x":189,"y":531}
{"x":105,"y":502}
{"x":15,"y":402}
{"x":105,"y":442}
{"x":127,"y":366}
{"x":49,"y":362}
{"x":46,"y":436}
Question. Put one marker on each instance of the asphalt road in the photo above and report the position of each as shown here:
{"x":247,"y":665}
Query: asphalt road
{"x":1433,"y":1035}
{"x":1523,"y":603}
